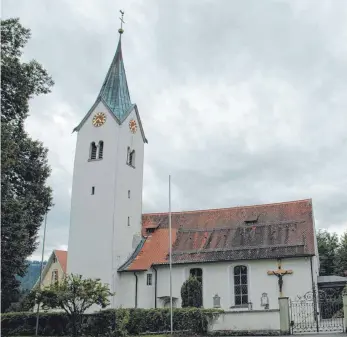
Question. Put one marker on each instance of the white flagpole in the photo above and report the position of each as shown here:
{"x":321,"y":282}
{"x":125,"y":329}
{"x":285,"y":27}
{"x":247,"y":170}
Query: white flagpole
{"x":170,"y":253}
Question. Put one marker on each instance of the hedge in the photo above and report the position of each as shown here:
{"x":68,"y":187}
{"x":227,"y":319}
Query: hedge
{"x":118,"y":322}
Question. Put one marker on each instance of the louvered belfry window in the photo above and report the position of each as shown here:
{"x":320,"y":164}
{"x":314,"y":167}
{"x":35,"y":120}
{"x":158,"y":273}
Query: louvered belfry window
{"x":101,"y":149}
{"x":241,"y":285}
{"x":93,"y":149}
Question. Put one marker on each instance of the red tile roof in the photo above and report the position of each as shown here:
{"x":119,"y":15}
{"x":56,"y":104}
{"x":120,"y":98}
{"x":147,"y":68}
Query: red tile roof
{"x":154,"y":251}
{"x":251,"y":232}
{"x":62,"y":258}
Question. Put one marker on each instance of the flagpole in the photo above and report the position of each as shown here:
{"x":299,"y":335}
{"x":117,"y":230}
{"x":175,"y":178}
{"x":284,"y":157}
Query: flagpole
{"x":41,"y":270}
{"x":170,"y":255}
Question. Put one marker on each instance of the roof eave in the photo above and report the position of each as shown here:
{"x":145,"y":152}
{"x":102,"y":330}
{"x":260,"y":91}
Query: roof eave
{"x":129,"y":261}
{"x":98,"y":100}
{"x":140,"y":124}
{"x":228,"y":260}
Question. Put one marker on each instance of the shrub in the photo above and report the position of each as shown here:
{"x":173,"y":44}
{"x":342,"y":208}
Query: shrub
{"x":112,"y":322}
{"x":24,"y":324}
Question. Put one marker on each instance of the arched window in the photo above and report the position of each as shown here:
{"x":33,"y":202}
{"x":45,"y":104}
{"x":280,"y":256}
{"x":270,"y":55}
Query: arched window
{"x":93,"y":148}
{"x":196,"y":272}
{"x":101,"y":149}
{"x":241,"y":285}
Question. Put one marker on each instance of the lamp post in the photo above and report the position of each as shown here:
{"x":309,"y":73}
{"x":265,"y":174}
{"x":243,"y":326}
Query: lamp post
{"x":41,"y":269}
{"x":170,"y":255}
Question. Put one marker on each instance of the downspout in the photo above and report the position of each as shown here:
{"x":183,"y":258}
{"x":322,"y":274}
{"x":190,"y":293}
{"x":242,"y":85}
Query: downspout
{"x":314,"y":296}
{"x":136,"y":279}
{"x":155,"y":287}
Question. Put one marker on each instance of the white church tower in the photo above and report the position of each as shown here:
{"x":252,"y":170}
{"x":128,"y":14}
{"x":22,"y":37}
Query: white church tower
{"x":106,"y":201}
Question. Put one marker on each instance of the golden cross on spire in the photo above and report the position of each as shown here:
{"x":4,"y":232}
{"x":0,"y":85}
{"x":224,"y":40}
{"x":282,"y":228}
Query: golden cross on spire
{"x":280,"y":273}
{"x":121,"y":30}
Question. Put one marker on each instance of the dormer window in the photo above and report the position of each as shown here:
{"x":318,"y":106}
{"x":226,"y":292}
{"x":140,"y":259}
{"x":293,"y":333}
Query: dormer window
{"x":251,"y":219}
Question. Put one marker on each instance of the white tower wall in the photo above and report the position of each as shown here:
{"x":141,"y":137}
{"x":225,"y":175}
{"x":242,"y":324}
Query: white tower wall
{"x":101,"y":238}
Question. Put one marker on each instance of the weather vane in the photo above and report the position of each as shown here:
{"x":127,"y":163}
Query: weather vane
{"x":121,"y":30}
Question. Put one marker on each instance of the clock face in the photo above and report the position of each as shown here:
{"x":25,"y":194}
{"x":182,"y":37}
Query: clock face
{"x":132,"y":126}
{"x":99,"y":119}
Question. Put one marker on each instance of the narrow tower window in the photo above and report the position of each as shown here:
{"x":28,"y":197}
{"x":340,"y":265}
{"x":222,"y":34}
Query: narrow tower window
{"x":92,"y":151}
{"x":132,"y":158}
{"x":128,"y":221}
{"x":101,"y":149}
{"x":129,"y":194}
{"x":93,"y":190}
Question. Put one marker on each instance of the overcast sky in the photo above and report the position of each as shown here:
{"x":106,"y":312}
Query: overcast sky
{"x":242,"y":102}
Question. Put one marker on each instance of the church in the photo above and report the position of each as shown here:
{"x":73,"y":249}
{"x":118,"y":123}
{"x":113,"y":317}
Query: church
{"x":246,"y":257}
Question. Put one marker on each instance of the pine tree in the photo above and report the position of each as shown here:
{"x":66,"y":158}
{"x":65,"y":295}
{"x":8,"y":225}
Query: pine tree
{"x":191,"y":293}
{"x":25,"y":197}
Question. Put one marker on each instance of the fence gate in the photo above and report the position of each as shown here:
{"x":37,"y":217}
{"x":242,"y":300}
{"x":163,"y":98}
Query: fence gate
{"x":312,"y":313}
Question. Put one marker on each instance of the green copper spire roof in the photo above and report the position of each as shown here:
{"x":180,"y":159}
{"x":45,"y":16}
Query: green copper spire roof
{"x":114,"y":91}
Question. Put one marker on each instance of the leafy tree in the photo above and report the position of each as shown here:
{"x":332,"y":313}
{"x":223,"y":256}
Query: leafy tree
{"x":328,"y":244}
{"x":25,"y":198}
{"x":191,"y":293}
{"x":74,"y":295}
{"x":341,"y":265}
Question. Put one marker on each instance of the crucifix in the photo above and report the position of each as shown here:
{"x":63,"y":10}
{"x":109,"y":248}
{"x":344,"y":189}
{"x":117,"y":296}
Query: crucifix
{"x":280,"y":273}
{"x":121,"y":30}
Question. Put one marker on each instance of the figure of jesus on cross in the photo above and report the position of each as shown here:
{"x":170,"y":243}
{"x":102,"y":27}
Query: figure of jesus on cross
{"x":280,"y":273}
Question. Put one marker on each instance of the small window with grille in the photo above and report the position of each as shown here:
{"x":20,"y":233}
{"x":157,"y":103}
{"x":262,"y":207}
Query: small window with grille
{"x":149,"y":279}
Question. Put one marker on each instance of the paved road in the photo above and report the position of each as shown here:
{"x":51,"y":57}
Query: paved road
{"x":333,"y":334}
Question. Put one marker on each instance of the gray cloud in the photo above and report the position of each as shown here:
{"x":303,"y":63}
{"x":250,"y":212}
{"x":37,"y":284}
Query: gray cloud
{"x":242,"y":102}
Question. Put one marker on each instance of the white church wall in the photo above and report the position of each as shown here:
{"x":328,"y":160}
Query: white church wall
{"x":247,"y":321}
{"x":126,"y":294}
{"x":163,"y":287}
{"x":100,"y":237}
{"x":145,"y":293}
{"x":218,"y":279}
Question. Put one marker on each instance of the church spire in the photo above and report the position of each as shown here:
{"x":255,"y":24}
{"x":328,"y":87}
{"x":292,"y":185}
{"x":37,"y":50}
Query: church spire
{"x":114,"y":91}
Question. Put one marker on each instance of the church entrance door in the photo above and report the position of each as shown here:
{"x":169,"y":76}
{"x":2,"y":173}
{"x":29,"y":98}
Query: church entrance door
{"x":312,"y":312}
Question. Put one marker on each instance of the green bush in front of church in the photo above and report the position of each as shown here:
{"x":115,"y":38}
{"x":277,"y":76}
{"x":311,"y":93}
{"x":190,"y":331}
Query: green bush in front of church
{"x":191,"y":293}
{"x":74,"y":295}
{"x":112,"y":322}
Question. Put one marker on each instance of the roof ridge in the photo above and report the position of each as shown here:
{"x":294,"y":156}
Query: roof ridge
{"x":235,"y":207}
